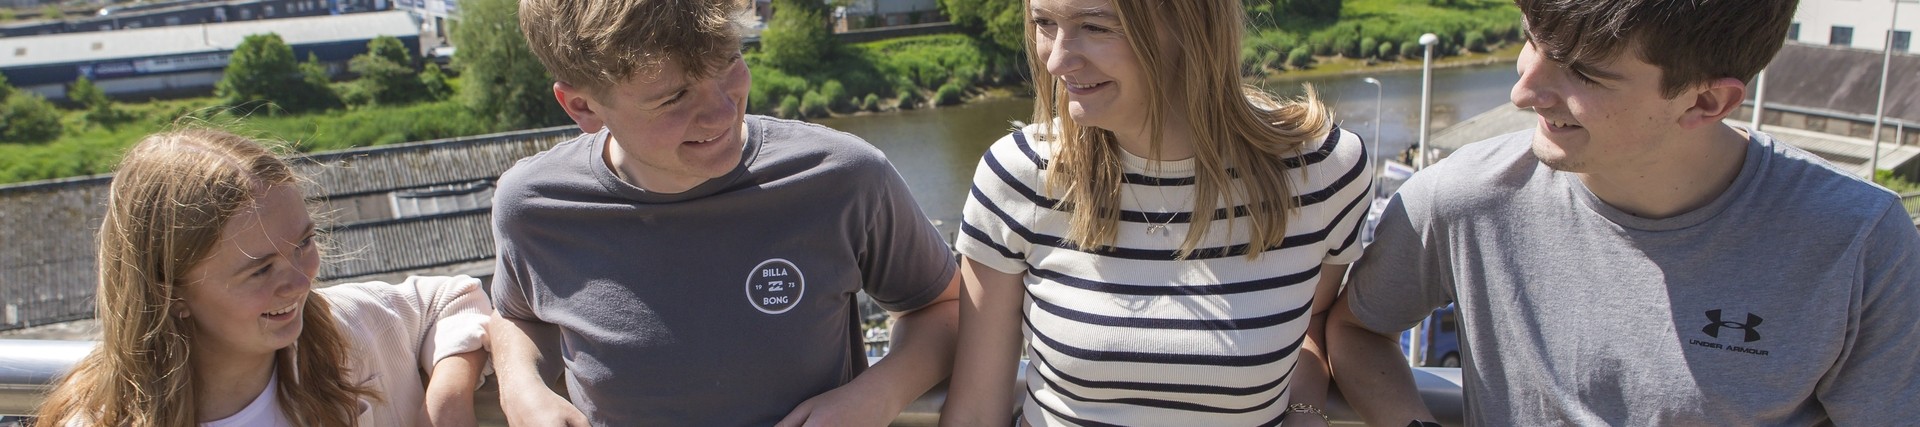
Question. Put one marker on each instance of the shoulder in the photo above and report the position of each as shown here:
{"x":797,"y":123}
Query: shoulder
{"x":1803,"y":182}
{"x":1494,"y":167}
{"x":561,"y":165}
{"x":791,"y":147}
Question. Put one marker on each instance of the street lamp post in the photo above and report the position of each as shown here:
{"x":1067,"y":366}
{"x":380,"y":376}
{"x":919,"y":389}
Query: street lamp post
{"x":1880,"y":108}
{"x":1426,"y":98}
{"x":1373,"y":154}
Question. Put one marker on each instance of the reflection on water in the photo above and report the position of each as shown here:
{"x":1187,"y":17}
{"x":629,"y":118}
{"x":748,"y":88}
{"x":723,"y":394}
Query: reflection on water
{"x":935,"y":150}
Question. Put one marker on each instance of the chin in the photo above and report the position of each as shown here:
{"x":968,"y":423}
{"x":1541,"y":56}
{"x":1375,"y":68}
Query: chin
{"x":1553,"y":155}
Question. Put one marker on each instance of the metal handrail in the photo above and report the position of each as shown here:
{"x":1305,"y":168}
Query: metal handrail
{"x":28,"y":368}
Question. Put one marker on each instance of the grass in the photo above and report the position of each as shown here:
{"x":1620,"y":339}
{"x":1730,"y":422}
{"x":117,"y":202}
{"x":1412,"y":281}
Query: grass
{"x":1497,"y":22}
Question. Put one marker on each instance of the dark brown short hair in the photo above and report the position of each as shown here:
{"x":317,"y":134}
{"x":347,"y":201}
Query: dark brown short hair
{"x":1692,"y":41}
{"x":595,"y":44}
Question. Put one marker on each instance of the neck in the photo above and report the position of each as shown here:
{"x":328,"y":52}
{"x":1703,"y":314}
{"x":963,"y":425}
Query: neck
{"x":1176,"y":140}
{"x":224,"y":382}
{"x":1697,"y":168}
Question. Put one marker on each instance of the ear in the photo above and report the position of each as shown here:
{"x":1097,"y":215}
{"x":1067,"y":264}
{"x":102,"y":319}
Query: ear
{"x":180,"y":310}
{"x":1713,"y":101}
{"x":579,"y":106}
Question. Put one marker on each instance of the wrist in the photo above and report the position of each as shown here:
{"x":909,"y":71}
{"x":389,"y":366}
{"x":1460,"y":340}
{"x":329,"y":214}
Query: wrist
{"x":1308,"y":411}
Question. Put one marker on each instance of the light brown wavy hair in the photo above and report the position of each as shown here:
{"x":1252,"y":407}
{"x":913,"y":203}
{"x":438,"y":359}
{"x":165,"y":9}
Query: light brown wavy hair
{"x":1239,"y":130}
{"x":595,"y":44}
{"x":173,"y":193}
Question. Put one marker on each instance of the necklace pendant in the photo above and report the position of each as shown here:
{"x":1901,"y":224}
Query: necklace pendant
{"x":1156,"y":228}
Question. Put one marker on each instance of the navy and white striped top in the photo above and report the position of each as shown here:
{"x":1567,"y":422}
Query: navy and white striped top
{"x":1130,"y":336}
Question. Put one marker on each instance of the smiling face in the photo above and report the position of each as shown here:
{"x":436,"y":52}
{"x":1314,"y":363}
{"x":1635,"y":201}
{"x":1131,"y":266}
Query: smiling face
{"x":1598,"y":117}
{"x":670,"y":132}
{"x":245,"y":298}
{"x":1085,"y":46}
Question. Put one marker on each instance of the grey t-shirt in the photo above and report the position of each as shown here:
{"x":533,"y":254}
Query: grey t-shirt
{"x":1791,"y":299}
{"x":728,"y":304}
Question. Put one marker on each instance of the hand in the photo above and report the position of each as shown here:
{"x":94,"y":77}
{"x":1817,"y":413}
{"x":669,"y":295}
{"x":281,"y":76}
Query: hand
{"x":841,"y":406}
{"x":539,"y":407}
{"x":1296,"y":419}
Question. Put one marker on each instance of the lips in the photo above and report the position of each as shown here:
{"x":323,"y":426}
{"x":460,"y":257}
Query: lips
{"x":283,"y":311}
{"x":714,"y":138}
{"x":1082,"y":89}
{"x":1556,"y":126}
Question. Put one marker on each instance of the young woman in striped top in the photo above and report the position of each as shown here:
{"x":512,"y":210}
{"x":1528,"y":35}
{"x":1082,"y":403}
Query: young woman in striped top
{"x":1165,"y":235}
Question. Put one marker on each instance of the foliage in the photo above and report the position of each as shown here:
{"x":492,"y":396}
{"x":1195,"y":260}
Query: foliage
{"x":949,"y":94}
{"x":1412,"y":50}
{"x":797,"y":39}
{"x":789,"y":107}
{"x":503,"y":82}
{"x":836,"y":95}
{"x":262,"y":69}
{"x":1387,"y":51}
{"x":871,"y":103}
{"x":1300,"y":58}
{"x":813,"y":104}
{"x":1001,"y":22}
{"x":1368,"y":47}
{"x":25,"y":117}
{"x":1476,"y":41}
{"x":435,"y":82}
{"x":1311,"y":9}
{"x":386,"y":75}
{"x":772,"y":86}
{"x":100,"y":109}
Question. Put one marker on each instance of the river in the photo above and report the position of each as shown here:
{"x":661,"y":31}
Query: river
{"x":936,"y":150}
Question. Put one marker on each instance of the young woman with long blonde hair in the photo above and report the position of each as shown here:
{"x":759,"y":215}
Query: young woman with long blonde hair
{"x":1166,"y":235}
{"x":210,"y":317}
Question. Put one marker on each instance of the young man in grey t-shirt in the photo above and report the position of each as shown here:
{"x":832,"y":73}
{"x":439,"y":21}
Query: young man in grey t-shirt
{"x":1633,"y":260}
{"x":691,"y":265}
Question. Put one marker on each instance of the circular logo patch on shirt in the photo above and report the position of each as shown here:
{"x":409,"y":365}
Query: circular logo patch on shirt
{"x":775,"y":286}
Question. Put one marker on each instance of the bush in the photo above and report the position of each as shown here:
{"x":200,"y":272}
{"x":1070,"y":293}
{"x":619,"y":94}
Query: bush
{"x":813,"y":105}
{"x":1368,"y":47}
{"x":1476,"y":42}
{"x":871,"y":103}
{"x":1386,"y":51}
{"x":836,"y":95}
{"x":1412,"y":50}
{"x":1300,"y":58}
{"x":386,"y":74}
{"x":1272,"y":60}
{"x":100,"y":109}
{"x":262,"y":69}
{"x":797,"y":39}
{"x":771,"y":87}
{"x":435,"y":82}
{"x":789,"y":107}
{"x":27,"y":117}
{"x":949,"y":94}
{"x":909,"y":99}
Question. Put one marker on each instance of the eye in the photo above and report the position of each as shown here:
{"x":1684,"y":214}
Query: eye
{"x":675,"y":99}
{"x":1096,"y":29}
{"x":1042,"y":22}
{"x":306,"y":242}
{"x":262,"y":271}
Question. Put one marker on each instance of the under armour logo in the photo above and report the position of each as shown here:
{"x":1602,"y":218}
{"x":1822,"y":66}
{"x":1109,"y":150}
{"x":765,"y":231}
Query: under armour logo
{"x":1713,"y":329}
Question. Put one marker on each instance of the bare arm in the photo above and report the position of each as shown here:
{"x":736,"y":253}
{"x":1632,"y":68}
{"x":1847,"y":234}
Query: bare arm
{"x":982,"y":391}
{"x":1309,"y":384}
{"x":920,"y":356}
{"x":1371,"y":371}
{"x":524,"y":395}
{"x":450,"y":389}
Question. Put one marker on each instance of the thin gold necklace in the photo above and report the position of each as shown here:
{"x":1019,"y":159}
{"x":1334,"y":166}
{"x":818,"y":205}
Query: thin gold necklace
{"x":1164,"y":227}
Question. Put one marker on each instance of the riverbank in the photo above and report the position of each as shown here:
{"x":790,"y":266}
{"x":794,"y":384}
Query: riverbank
{"x":1337,"y":66}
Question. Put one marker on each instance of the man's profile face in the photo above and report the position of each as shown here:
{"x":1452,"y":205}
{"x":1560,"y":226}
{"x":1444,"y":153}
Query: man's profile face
{"x":1597,"y":117}
{"x":681,"y":131}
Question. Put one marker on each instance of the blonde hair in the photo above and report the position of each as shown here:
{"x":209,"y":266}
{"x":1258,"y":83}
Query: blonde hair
{"x":594,"y":44}
{"x":1245,"y":136}
{"x":173,"y":193}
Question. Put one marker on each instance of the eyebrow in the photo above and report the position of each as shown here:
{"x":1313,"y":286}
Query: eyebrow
{"x":1595,"y":71}
{"x":1083,"y":13}
{"x":657,"y":99}
{"x":256,"y":262}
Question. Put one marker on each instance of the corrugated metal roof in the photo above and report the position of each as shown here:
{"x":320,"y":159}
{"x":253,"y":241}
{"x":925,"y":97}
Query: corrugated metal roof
{"x":47,"y":229}
{"x":1845,"y":80}
{"x":185,"y":39}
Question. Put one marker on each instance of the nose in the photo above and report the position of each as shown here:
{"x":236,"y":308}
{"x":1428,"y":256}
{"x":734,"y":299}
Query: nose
{"x":1062,"y":54}
{"x":294,"y":281}
{"x":720,"y":108}
{"x":1535,"y":88}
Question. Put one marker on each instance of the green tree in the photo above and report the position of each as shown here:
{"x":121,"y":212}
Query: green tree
{"x":797,"y":40}
{"x":386,"y":73}
{"x":1300,"y":58}
{"x":262,"y":69}
{"x":26,"y":117}
{"x":502,"y":80}
{"x":1001,"y":22}
{"x":434,"y":80}
{"x":100,"y":109}
{"x":1310,"y":9}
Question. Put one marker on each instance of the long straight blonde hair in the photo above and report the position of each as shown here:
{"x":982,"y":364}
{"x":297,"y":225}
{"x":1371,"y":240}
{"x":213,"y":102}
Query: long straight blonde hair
{"x":1239,"y":131}
{"x":168,"y":202}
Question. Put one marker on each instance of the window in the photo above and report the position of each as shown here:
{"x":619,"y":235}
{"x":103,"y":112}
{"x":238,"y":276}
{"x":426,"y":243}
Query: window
{"x":1842,"y":36}
{"x":1902,"y":41}
{"x":1793,"y":32}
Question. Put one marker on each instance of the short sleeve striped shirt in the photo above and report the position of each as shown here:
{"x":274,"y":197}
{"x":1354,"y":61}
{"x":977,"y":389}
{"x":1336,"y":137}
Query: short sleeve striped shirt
{"x":1130,"y":336}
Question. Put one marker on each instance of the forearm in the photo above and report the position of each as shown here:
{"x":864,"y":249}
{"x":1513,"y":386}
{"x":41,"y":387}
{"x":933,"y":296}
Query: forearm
{"x":1309,"y":381}
{"x":517,"y":356}
{"x":1372,"y":373}
{"x":983,"y":386}
{"x":449,"y":394}
{"x":920,"y":355}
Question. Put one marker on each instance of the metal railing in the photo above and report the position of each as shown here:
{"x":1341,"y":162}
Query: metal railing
{"x":28,"y":367}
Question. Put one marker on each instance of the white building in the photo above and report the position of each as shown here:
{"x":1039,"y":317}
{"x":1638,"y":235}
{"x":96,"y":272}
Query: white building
{"x":1860,"y":24}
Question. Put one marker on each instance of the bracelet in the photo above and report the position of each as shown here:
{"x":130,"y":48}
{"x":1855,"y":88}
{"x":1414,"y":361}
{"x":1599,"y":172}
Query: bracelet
{"x":1307,"y":408}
